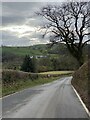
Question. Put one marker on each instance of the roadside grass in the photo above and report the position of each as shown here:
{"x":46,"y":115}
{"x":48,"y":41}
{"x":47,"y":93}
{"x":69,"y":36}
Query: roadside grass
{"x":57,"y":72}
{"x":81,"y":83}
{"x":21,"y":85}
{"x":0,"y":89}
{"x":14,"y":81}
{"x":0,"y":80}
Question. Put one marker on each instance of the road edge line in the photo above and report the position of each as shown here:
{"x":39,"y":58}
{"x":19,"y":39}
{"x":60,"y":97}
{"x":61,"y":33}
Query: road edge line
{"x":83,"y":104}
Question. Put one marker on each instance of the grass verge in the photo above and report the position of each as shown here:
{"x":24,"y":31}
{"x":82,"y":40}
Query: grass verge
{"x":20,"y":85}
{"x":14,"y":81}
{"x":56,"y":72}
{"x":0,"y":89}
{"x":81,"y":82}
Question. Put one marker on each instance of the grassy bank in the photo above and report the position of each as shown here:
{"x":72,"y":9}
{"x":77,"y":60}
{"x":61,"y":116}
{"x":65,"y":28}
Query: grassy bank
{"x":57,"y":72}
{"x":81,"y":81}
{"x":14,"y":81}
{"x":21,"y":84}
{"x":0,"y":88}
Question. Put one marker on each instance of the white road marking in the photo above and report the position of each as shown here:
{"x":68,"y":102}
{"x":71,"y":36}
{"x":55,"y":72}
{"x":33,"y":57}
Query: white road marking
{"x":83,"y":104}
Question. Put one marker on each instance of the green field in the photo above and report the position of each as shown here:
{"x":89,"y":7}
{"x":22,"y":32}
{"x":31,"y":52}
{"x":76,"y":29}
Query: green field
{"x":57,"y":56}
{"x":22,"y":51}
{"x":57,"y":72}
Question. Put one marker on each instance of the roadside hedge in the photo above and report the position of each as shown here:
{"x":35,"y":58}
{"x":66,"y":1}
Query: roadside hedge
{"x":12,"y":76}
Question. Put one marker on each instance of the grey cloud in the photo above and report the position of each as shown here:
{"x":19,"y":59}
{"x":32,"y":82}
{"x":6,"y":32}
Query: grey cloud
{"x":12,"y":20}
{"x":37,"y":0}
{"x":22,"y":13}
{"x":16,"y":13}
{"x":23,"y":6}
{"x":10,"y":40}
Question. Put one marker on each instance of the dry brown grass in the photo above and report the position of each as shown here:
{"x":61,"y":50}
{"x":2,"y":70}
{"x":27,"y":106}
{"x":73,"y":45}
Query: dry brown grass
{"x":81,"y":81}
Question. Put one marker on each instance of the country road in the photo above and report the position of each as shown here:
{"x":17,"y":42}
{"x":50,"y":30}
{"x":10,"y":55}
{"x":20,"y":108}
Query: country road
{"x":52,"y":100}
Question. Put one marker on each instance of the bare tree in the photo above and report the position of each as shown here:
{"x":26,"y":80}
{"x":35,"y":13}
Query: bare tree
{"x":68,"y":23}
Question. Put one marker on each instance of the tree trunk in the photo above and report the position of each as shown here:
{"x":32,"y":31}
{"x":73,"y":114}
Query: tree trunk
{"x":77,"y":54}
{"x":79,"y":57}
{"x":80,"y":60}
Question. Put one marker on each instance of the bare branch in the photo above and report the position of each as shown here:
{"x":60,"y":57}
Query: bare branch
{"x":68,"y":23}
{"x":85,"y":43}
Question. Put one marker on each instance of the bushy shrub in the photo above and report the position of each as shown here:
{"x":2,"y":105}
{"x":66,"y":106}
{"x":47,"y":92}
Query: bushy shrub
{"x":29,"y":64}
{"x":13,"y":76}
{"x":10,"y":76}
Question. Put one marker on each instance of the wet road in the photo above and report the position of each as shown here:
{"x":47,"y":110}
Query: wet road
{"x":52,"y":100}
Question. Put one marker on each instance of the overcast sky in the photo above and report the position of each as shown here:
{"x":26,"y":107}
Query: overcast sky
{"x":20,"y":24}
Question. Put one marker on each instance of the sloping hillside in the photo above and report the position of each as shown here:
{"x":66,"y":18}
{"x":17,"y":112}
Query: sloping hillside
{"x":58,"y":56}
{"x":22,"y":51}
{"x":81,"y":81}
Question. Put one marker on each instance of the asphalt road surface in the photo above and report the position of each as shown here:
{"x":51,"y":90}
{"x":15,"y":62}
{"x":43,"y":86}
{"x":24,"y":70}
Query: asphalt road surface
{"x":52,"y":100}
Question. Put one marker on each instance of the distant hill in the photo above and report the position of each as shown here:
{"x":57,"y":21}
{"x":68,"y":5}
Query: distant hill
{"x":13,"y":56}
{"x":10,"y":53}
{"x":22,"y":51}
{"x":41,"y":49}
{"x":36,"y":50}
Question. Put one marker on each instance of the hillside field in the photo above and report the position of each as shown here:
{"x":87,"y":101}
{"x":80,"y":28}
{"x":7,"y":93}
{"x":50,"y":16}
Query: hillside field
{"x":12,"y":57}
